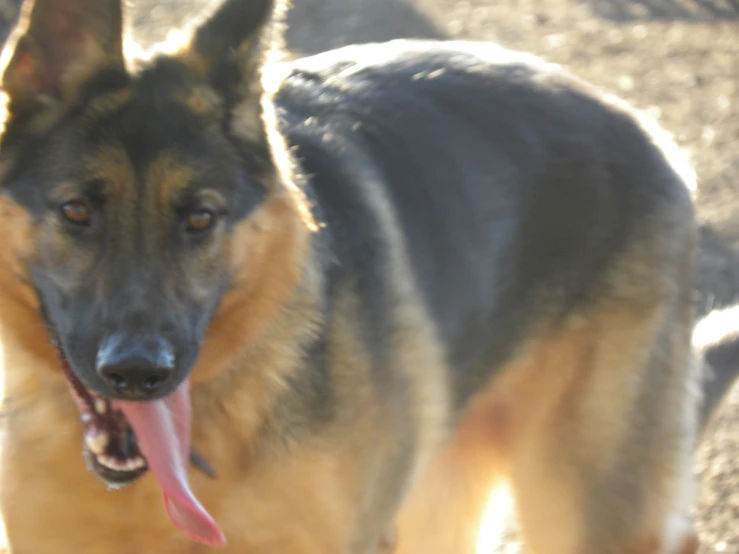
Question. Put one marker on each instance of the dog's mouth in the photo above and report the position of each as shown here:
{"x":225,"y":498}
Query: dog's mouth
{"x":110,"y":445}
{"x":122,"y":440}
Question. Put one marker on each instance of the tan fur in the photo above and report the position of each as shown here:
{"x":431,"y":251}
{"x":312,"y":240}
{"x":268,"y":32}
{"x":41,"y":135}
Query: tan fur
{"x":276,"y":242}
{"x":167,"y":176}
{"x":554,"y":420}
{"x":564,"y":415}
{"x":21,"y":322}
{"x":203,"y":101}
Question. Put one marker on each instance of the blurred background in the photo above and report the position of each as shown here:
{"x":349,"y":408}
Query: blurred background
{"x":677,"y":59}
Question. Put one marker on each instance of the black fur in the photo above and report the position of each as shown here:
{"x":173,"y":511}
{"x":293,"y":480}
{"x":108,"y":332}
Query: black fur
{"x":531,"y":174}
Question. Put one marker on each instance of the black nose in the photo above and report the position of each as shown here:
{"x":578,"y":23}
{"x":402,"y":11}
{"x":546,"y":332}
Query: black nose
{"x":136,"y":368}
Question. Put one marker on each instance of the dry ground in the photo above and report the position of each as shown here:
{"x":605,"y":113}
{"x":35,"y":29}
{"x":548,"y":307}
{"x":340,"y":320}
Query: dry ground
{"x":678,"y":59}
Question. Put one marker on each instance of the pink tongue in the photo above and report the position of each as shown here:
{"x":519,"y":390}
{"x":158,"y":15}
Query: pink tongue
{"x":163,"y":433}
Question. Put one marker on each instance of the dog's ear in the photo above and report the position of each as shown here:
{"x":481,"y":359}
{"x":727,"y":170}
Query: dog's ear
{"x":60,"y":45}
{"x":227,"y":50}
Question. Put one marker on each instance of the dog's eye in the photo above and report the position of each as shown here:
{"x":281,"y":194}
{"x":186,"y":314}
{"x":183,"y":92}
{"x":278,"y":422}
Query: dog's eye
{"x":77,"y":212}
{"x":200,"y":220}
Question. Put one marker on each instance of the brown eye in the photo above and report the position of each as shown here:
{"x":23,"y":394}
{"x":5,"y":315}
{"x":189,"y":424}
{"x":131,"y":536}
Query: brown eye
{"x":200,"y":220}
{"x":77,"y":212}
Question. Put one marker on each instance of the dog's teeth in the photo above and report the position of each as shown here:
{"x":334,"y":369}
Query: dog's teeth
{"x":86,"y":417}
{"x":112,"y":463}
{"x":108,"y":461}
{"x":131,"y":464}
{"x":101,"y":406}
{"x":135,"y":463}
{"x":97,"y":441}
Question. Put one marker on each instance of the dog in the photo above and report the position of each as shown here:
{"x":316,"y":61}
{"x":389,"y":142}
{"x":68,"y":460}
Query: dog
{"x":325,"y":305}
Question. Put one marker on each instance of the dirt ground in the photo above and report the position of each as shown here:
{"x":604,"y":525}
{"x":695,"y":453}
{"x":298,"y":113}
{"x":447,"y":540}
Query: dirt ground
{"x":678,"y":59}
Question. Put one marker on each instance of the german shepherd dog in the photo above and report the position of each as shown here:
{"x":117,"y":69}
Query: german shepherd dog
{"x":357,"y":289}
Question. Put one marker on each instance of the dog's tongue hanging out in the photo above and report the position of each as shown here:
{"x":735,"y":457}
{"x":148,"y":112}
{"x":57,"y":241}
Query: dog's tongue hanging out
{"x":163,"y":433}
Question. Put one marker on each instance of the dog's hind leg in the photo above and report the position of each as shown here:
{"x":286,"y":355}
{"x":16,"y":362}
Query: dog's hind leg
{"x":444,"y":511}
{"x":593,"y":425}
{"x":606,"y":416}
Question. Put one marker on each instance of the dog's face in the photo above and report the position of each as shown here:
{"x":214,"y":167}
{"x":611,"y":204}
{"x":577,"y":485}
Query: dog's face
{"x":136,"y":200}
{"x":141,"y":207}
{"x":135,"y":186}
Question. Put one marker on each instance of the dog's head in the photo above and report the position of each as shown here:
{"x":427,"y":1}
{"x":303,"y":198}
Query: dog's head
{"x":135,"y":184}
{"x":148,"y":203}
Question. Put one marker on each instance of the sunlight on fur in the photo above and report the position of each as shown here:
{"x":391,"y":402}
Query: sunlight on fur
{"x":498,"y":517}
{"x":3,"y":536}
{"x":716,"y":327}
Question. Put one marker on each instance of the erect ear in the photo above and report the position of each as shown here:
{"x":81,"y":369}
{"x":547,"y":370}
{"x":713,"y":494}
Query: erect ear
{"x":57,"y":46}
{"x":227,"y":50}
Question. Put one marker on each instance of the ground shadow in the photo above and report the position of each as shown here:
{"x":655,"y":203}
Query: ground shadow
{"x":716,"y":285}
{"x":8,"y":15}
{"x":318,"y":25}
{"x":666,"y":10}
{"x":717,"y":272}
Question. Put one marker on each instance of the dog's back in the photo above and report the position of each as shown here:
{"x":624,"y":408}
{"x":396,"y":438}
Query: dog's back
{"x":514,"y":188}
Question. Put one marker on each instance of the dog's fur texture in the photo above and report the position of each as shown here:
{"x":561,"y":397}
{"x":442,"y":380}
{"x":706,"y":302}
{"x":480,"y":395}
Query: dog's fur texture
{"x":437,"y":265}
